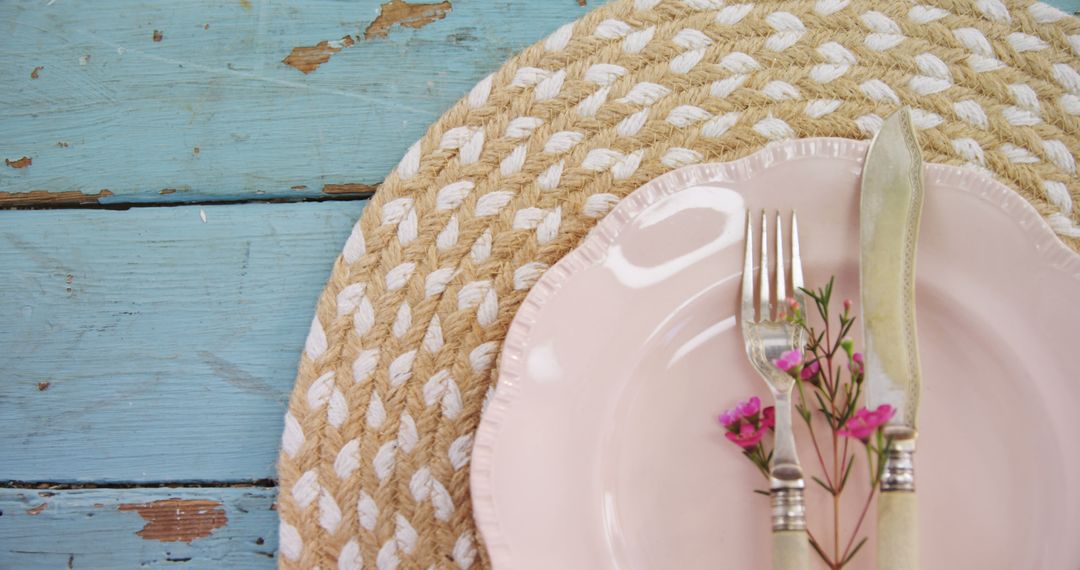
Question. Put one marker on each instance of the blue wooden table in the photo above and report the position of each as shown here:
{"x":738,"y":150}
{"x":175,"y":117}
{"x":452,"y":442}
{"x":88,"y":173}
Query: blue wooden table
{"x":177,"y":180}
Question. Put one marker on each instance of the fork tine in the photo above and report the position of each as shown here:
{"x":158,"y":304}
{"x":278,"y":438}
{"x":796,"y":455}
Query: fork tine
{"x":763,"y":295}
{"x":781,"y":294}
{"x":796,"y":261}
{"x":748,"y":274}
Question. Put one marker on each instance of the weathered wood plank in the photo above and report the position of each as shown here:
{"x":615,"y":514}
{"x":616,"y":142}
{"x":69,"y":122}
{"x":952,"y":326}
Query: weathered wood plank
{"x":188,"y":529}
{"x":152,"y":101}
{"x":155,"y":344}
{"x":181,"y":101}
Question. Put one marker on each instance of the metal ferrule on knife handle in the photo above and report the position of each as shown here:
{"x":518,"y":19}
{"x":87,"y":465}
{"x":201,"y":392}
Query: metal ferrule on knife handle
{"x":898,"y":474}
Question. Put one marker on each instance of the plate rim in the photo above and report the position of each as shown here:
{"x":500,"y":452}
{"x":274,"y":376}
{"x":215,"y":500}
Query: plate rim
{"x":1051,"y":251}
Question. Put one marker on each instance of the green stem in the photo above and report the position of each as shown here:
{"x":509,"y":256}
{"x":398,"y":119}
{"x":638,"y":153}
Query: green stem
{"x":813,"y":436}
{"x":858,"y":524}
{"x":836,"y":502}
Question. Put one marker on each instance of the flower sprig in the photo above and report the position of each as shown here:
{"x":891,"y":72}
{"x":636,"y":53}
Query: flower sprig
{"x":829,"y":375}
{"x":746,"y":425}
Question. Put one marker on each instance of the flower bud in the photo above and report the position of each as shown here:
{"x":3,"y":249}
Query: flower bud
{"x":848,"y":345}
{"x":856,"y":367}
{"x":847,"y":305}
{"x":810,"y":372}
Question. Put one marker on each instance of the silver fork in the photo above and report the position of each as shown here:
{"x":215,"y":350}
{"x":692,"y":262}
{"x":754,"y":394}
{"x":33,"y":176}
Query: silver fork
{"x":766,"y":338}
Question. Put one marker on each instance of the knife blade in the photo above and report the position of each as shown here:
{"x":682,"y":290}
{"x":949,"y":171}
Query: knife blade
{"x":891,"y":199}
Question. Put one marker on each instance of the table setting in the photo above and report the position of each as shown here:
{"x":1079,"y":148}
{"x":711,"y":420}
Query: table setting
{"x":693,"y":284}
{"x":642,"y":434}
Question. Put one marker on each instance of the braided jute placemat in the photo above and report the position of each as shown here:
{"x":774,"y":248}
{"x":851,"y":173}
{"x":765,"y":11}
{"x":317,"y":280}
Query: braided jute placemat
{"x":374,"y":469}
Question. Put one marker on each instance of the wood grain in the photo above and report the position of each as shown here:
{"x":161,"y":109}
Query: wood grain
{"x":149,"y":345}
{"x":97,"y":528}
{"x":217,"y":110}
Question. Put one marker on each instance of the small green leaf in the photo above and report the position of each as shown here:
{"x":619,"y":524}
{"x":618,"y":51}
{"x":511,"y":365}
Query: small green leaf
{"x":824,"y":485}
{"x":821,"y":553}
{"x":846,"y":328}
{"x":760,"y":492}
{"x":823,"y":409}
{"x":854,"y":551}
{"x":847,"y":472}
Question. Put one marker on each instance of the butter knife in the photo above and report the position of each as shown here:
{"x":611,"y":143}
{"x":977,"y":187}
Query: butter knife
{"x":891,"y":199}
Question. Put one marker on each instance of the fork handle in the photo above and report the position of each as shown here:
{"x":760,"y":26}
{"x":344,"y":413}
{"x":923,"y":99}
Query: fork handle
{"x":790,"y":550}
{"x":790,"y":544}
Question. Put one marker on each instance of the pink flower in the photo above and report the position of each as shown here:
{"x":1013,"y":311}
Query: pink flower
{"x":864,"y":422}
{"x":747,"y":422}
{"x":748,"y":408}
{"x":768,"y":417}
{"x":810,"y":370}
{"x":788,"y":360}
{"x":748,"y":436}
{"x":847,"y":305}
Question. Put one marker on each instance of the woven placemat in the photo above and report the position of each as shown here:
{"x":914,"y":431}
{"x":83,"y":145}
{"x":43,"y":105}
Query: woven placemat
{"x":374,"y":469}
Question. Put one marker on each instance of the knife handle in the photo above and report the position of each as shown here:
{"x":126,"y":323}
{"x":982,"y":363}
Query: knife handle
{"x":898,"y":516}
{"x":790,"y":550}
{"x":790,"y":544}
{"x":898,"y":531}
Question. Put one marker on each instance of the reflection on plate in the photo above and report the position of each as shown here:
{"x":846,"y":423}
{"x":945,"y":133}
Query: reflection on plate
{"x":600,"y":449}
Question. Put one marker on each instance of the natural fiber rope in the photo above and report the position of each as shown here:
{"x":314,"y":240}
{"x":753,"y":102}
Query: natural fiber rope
{"x":400,"y":357}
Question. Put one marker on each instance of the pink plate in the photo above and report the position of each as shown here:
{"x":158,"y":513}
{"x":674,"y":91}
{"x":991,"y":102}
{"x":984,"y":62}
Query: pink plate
{"x":600,"y":448}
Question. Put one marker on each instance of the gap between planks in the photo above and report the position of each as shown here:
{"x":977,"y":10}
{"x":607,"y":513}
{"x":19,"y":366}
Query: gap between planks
{"x":266,"y":483}
{"x":96,"y":205}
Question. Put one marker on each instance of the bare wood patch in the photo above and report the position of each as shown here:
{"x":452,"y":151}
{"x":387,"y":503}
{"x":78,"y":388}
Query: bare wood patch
{"x":158,"y":35}
{"x":46,"y":198}
{"x":309,"y":58}
{"x":19,"y":162}
{"x":42,"y":386}
{"x":36,"y":72}
{"x":401,"y":13}
{"x":350,"y":188}
{"x":37,"y":510}
{"x":178,"y":520}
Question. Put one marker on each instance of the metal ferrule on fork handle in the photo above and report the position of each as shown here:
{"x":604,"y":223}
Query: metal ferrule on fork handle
{"x":788,"y":506}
